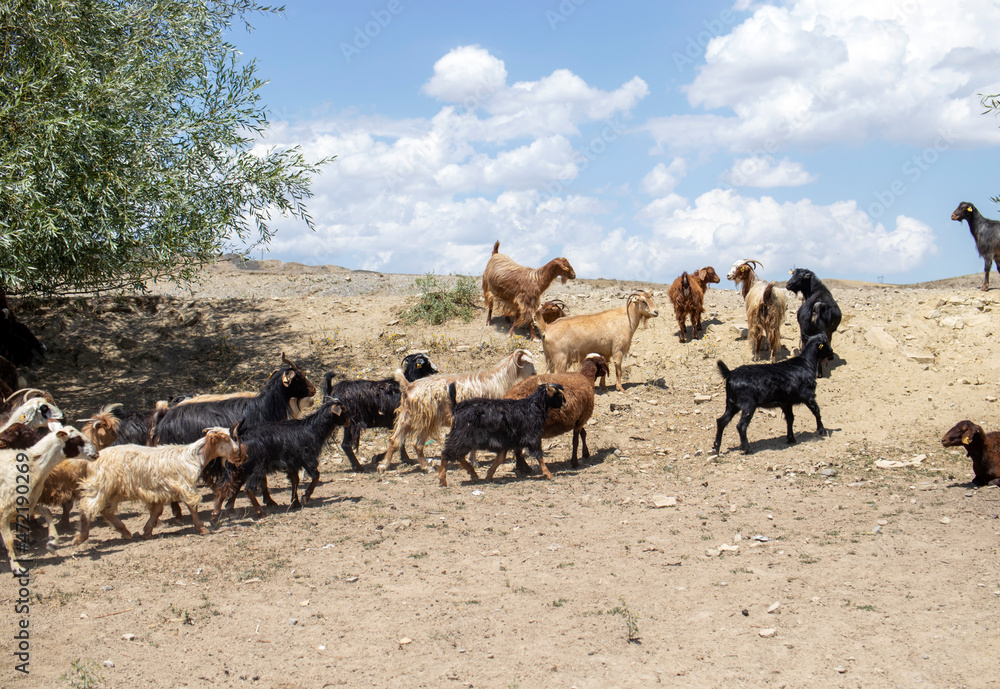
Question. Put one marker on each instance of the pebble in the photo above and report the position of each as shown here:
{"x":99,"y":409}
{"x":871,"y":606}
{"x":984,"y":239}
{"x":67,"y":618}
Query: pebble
{"x":405,"y":640}
{"x":664,"y":501}
{"x":108,"y":588}
{"x":351,"y":580}
{"x":774,"y":606}
{"x":829,"y":472}
{"x":109,"y":663}
{"x":128,"y":637}
{"x":841,"y":669}
{"x":767,"y":633}
{"x":945,"y":520}
{"x":292,"y":621}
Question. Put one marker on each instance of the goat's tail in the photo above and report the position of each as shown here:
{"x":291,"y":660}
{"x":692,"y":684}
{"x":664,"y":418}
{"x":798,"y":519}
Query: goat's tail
{"x":452,"y":395}
{"x":723,"y":369}
{"x":496,"y":247}
{"x":817,"y":311}
{"x":765,"y":301}
{"x":685,"y":285}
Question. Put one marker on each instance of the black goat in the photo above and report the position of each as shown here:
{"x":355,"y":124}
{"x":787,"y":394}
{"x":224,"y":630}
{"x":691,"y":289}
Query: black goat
{"x":982,"y":447}
{"x":819,"y":312}
{"x":289,"y":446}
{"x":986,"y":232}
{"x":499,"y":426}
{"x":373,"y":403}
{"x":185,"y":423}
{"x":17,"y":343}
{"x":782,"y":384}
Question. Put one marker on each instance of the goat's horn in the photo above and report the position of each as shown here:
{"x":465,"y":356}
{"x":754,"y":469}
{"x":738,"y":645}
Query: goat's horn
{"x":285,"y":360}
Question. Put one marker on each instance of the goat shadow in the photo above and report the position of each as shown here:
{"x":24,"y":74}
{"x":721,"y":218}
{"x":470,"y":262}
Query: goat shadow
{"x":561,"y":467}
{"x":779,"y":442}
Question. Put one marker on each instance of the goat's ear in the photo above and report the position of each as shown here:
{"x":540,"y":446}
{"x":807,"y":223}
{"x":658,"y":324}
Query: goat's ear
{"x":969,"y":209}
{"x":701,"y":274}
{"x":287,"y":378}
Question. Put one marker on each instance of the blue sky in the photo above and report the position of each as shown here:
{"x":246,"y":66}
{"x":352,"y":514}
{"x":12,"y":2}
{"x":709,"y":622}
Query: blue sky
{"x":637,"y":140}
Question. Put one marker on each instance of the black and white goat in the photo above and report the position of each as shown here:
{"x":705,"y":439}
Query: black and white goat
{"x":373,"y":403}
{"x":288,"y":446}
{"x":986,"y":232}
{"x":782,"y":384}
{"x":819,"y":312}
{"x":499,"y":426}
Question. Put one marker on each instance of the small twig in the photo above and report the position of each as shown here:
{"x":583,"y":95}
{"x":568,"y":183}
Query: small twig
{"x":109,"y":614}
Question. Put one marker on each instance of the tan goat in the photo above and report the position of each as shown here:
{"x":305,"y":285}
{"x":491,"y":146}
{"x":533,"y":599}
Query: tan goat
{"x":608,"y":333}
{"x":516,"y":290}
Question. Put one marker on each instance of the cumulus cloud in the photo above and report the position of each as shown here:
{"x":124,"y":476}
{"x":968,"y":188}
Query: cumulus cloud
{"x":826,"y":71}
{"x":763,"y":172}
{"x":662,"y":179}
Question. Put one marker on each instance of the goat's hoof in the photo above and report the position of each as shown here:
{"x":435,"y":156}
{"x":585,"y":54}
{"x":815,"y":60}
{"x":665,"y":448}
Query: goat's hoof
{"x":17,"y":570}
{"x":50,"y":546}
{"x":203,"y":531}
{"x":77,"y":540}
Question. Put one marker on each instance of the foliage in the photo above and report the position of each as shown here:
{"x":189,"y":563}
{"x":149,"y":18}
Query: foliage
{"x":991,"y":103}
{"x":437,"y":304}
{"x":127,"y":143}
{"x":84,"y":675}
{"x":631,"y":621}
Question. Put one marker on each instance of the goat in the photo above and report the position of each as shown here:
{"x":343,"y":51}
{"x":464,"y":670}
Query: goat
{"x":22,"y":476}
{"x":284,"y":394}
{"x":819,"y":312}
{"x":782,"y":384}
{"x":373,"y":403}
{"x":288,"y":446}
{"x":608,"y":333}
{"x":986,"y":232}
{"x":982,"y":447}
{"x":578,"y":389}
{"x":498,"y":426}
{"x":10,"y":379}
{"x":36,"y":413}
{"x":151,"y":475}
{"x":18,"y":436}
{"x":62,"y":483}
{"x":517,"y":290}
{"x":552,"y":310}
{"x":765,"y":305}
{"x":424,"y":407}
{"x":17,"y":343}
{"x":687,"y":294}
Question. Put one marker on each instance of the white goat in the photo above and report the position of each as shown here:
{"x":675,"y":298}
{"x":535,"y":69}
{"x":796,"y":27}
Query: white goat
{"x":22,"y":475}
{"x":765,"y":304}
{"x":424,"y":406}
{"x":151,"y":475}
{"x":569,"y":340}
{"x":36,"y":413}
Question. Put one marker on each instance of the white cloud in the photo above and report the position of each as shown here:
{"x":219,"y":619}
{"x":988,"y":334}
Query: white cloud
{"x":762,"y":172}
{"x":829,"y":71}
{"x":662,"y":179}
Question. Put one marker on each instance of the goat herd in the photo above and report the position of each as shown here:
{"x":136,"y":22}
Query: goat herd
{"x":232,"y":442}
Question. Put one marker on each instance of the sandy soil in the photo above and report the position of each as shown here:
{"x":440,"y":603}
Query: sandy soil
{"x":795,"y":566}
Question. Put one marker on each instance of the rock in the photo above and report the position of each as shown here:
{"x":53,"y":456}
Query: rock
{"x":921,"y":357}
{"x":108,"y":663}
{"x":741,"y":331}
{"x":841,"y":669}
{"x":945,"y":520}
{"x":700,"y":399}
{"x":953,"y":322}
{"x":976,"y":321}
{"x":829,"y":472}
{"x":664,"y":501}
{"x":767,"y":633}
{"x":877,"y":337}
{"x":991,"y":398}
{"x":292,"y":621}
{"x":128,"y":637}
{"x":405,"y":640}
{"x":774,"y":606}
{"x":711,"y":552}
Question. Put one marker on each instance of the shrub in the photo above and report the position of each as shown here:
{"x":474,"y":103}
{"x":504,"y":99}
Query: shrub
{"x":437,"y":304}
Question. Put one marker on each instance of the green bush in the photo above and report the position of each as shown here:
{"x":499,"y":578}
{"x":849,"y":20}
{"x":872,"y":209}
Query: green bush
{"x":437,"y":304}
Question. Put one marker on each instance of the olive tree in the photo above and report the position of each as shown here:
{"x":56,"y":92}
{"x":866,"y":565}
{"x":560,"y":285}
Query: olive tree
{"x":130,"y":143}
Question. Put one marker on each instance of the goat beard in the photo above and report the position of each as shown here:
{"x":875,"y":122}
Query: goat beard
{"x":564,"y":279}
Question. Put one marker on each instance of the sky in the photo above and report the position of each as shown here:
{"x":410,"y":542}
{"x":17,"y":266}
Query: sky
{"x":638,"y":140}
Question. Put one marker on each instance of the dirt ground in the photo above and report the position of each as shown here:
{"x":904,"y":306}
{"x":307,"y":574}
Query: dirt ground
{"x":794,"y":566}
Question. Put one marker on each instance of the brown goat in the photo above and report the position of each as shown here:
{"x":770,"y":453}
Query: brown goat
{"x":687,"y":294}
{"x":551,"y":311}
{"x":578,"y":388}
{"x":516,"y":290}
{"x":982,"y":447}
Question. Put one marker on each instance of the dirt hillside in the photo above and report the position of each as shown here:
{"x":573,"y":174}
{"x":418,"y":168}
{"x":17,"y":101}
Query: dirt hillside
{"x":655,"y":563}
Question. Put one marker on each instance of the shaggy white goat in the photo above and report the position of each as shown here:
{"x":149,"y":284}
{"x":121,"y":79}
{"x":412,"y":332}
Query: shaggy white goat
{"x":22,"y":475}
{"x":608,"y":333}
{"x":36,"y":413}
{"x":765,"y":304}
{"x":151,"y":475}
{"x":424,"y":406}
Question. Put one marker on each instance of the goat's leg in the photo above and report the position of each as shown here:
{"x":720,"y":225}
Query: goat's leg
{"x":293,"y":478}
{"x":198,"y":524}
{"x":488,"y":298}
{"x":155,"y":510}
{"x":421,"y":460}
{"x":521,"y":466}
{"x":617,"y":358}
{"x":583,"y":439}
{"x":314,"y":481}
{"x":722,"y":422}
{"x":403,"y":457}
{"x":394,"y":442}
{"x":537,"y":454}
{"x":11,"y":544}
{"x":43,"y":512}
{"x":443,"y":471}
{"x":501,"y":456}
{"x":352,"y":440}
{"x":814,"y":408}
{"x":175,"y":507}
{"x":257,"y":509}
{"x":464,"y":463}
{"x":265,"y":495}
{"x":789,"y":417}
{"x":111,"y":518}
{"x":67,"y":507}
{"x":83,"y":532}
{"x":681,"y":320}
{"x":986,"y":275}
{"x":741,"y":428}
